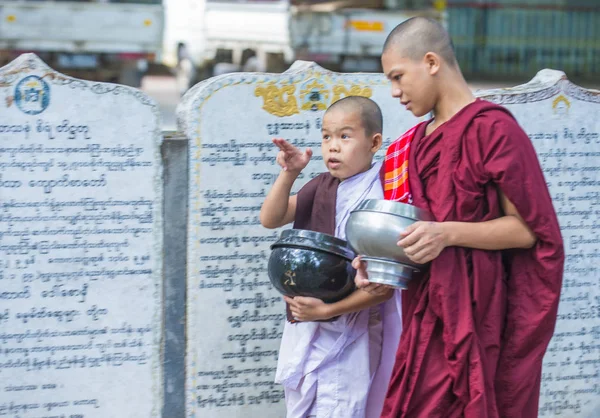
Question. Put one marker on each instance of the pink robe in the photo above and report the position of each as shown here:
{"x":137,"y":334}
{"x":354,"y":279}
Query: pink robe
{"x":328,"y":368}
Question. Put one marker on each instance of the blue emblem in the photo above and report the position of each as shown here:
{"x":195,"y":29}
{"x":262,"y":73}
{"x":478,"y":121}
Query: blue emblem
{"x":32,"y":95}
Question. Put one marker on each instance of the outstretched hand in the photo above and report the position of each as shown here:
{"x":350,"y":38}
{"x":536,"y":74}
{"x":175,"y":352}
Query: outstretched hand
{"x":290,"y":158}
{"x":423,"y":241}
{"x":361,"y":280}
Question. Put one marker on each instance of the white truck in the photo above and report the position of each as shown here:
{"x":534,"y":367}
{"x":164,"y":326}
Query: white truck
{"x":268,"y":35}
{"x":105,"y":40}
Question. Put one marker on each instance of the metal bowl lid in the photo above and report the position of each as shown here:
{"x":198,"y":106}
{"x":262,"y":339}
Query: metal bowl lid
{"x":301,"y":238}
{"x":394,"y":208}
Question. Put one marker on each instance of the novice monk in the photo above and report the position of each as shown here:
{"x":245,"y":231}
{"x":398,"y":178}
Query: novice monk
{"x":477,"y":324}
{"x":327,"y":368}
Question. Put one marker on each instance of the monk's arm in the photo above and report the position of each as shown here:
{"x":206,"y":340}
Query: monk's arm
{"x":357,"y":301}
{"x":312,"y":309}
{"x":509,"y":231}
{"x":279,"y":208}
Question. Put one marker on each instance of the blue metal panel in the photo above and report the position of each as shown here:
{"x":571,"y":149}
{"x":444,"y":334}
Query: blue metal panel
{"x":518,"y":41}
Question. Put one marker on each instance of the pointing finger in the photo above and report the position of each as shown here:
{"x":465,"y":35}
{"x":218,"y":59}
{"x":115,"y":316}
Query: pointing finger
{"x":287,"y":147}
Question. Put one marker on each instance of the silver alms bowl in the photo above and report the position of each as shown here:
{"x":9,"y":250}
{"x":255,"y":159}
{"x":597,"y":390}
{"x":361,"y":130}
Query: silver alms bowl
{"x":373,"y":231}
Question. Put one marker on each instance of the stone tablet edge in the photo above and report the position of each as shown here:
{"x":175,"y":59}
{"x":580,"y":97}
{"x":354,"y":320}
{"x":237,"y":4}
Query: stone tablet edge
{"x":30,"y":62}
{"x":189,"y":113}
{"x":544,"y":85}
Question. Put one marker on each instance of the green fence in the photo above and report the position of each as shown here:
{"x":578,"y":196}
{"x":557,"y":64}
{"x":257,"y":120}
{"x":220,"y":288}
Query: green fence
{"x":493,"y":39}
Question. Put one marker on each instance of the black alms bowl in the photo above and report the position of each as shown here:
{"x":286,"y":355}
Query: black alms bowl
{"x":306,"y":263}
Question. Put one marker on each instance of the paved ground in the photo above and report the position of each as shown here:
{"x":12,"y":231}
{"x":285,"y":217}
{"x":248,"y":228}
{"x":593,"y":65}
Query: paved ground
{"x":164,"y":90}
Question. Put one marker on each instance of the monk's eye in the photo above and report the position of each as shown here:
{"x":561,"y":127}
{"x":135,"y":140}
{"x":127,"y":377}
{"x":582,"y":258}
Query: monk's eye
{"x":344,"y":136}
{"x":325,"y":137}
{"x":397,"y":77}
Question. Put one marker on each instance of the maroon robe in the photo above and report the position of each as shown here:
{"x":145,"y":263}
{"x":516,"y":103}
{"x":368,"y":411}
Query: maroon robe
{"x":315,"y":210}
{"x":477,"y":325}
{"x":315,"y":204}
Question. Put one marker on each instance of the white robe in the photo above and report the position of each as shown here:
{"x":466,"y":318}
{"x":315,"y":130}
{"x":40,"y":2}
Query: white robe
{"x":327,"y":368}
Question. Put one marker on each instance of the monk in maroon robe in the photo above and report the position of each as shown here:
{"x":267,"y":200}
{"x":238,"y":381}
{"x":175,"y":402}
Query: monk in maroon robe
{"x":478,"y":322}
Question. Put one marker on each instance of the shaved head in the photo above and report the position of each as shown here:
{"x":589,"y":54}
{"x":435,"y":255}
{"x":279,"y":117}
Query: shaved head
{"x":367,"y":109}
{"x":417,"y":36}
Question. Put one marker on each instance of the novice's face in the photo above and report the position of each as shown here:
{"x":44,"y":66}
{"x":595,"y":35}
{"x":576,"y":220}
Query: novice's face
{"x":412,"y":81}
{"x":347,"y":149}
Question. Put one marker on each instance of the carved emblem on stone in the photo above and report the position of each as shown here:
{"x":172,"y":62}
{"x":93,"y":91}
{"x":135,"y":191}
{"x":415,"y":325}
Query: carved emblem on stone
{"x":314,"y":96}
{"x":278,"y":100}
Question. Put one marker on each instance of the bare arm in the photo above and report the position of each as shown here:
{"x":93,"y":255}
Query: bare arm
{"x":279,"y":207}
{"x":357,"y":301}
{"x":424,"y":241}
{"x":312,"y":309}
{"x":509,"y":231}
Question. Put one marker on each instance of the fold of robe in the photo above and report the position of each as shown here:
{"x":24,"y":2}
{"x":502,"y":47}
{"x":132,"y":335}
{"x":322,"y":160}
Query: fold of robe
{"x":326,"y":368}
{"x":477,"y":325}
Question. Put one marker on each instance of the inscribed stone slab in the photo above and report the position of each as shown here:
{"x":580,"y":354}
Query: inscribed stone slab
{"x":235,"y":318}
{"x":80,"y":246}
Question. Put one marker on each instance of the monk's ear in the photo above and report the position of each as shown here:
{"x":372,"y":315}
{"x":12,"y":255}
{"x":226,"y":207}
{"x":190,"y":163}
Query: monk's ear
{"x":433,"y":62}
{"x":376,"y":143}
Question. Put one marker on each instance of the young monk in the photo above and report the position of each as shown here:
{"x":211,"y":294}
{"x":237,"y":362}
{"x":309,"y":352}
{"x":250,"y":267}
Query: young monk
{"x":327,"y":368}
{"x":477,"y":324}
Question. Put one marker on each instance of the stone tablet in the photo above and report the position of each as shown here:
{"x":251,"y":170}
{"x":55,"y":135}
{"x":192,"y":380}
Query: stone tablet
{"x":80,"y":247}
{"x":235,"y":317}
{"x":563,"y":122}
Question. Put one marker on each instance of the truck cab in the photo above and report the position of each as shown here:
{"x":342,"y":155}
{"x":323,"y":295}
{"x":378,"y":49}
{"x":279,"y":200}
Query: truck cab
{"x":342,"y":35}
{"x":105,"y":40}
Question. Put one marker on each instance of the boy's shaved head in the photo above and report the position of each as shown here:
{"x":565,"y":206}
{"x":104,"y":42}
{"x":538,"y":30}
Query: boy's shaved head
{"x":417,"y":36}
{"x":367,"y":109}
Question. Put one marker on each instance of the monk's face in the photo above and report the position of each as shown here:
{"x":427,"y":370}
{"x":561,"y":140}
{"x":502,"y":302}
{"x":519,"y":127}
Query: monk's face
{"x":412,"y":81}
{"x":347,"y":149}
